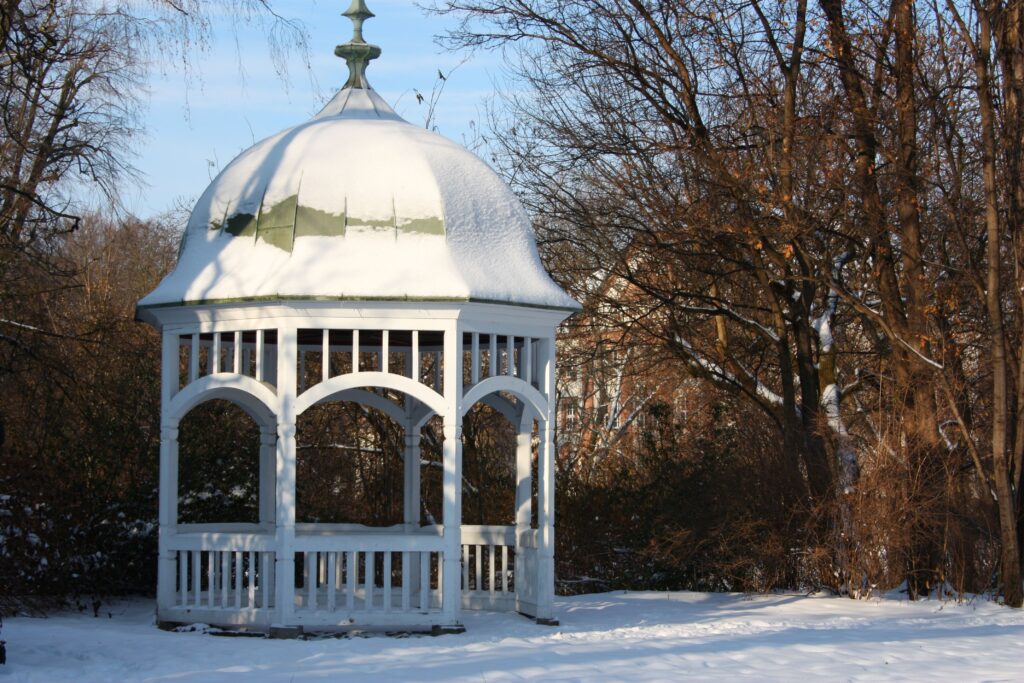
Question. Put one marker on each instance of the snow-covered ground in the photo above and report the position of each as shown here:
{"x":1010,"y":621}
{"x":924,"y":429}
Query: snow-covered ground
{"x":606,"y":637}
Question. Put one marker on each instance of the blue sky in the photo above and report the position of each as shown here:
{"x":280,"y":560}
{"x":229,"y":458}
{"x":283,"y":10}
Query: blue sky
{"x":234,"y":97}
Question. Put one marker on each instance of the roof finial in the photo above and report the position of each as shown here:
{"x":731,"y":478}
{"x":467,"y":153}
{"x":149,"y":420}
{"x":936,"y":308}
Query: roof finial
{"x":357,"y":53}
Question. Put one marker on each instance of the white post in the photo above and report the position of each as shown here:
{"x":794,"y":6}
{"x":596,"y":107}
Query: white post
{"x":524,"y":488}
{"x":451,"y":592}
{"x":193,"y":358}
{"x":167,"y":562}
{"x":268,"y":476}
{"x":215,"y":363}
{"x":510,"y":353}
{"x":411,"y":561}
{"x":287,"y":347}
{"x":260,"y":363}
{"x":355,"y":351}
{"x":527,"y":360}
{"x":415,"y":368}
{"x":168,"y":495}
{"x":474,"y":376}
{"x":546,"y":490}
{"x":523,"y":502}
{"x":236,"y":354}
{"x":493,"y":362}
{"x":325,"y":357}
{"x":412,"y":478}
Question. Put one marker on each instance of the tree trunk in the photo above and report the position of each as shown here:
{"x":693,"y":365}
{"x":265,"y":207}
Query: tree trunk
{"x":1010,"y":555}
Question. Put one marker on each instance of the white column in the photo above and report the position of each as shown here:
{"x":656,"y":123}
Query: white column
{"x":411,"y":492}
{"x":168,"y":493}
{"x":287,"y":347}
{"x":411,"y":487}
{"x":523,"y":500}
{"x":268,"y":476}
{"x":546,"y":489}
{"x":452,"y":488}
{"x":167,"y":561}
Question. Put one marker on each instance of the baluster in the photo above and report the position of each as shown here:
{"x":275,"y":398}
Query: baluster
{"x":384,"y":351}
{"x":386,"y":580}
{"x":268,"y":575}
{"x":183,"y":576}
{"x":265,"y":585}
{"x":504,"y":569}
{"x":351,"y":569}
{"x":479,"y":586}
{"x":510,"y":352}
{"x":210,"y":580}
{"x":252,"y":578}
{"x":424,"y":581}
{"x":225,"y":578}
{"x":491,"y":569}
{"x":196,"y":592}
{"x":405,"y":580}
{"x":310,"y":577}
{"x":332,"y":568}
{"x":465,"y":568}
{"x":238,"y":578}
{"x":369,"y":561}
{"x":440,"y":579}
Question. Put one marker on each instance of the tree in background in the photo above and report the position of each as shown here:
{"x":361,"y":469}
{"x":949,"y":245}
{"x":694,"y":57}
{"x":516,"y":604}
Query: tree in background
{"x":77,"y":375}
{"x":81,"y":422}
{"x":797,"y":200}
{"x":794,"y":229}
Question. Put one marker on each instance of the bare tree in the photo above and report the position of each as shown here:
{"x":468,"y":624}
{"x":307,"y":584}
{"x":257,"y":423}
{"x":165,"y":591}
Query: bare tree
{"x":790,"y":197}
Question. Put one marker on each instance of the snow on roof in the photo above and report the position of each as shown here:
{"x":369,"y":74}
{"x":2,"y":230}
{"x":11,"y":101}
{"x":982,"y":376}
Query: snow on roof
{"x":358,"y":204}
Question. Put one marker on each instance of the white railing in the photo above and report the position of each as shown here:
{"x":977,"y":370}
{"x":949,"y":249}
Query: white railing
{"x":224,"y":571}
{"x":362,"y":577}
{"x":488,"y":566}
{"x":344,"y":574}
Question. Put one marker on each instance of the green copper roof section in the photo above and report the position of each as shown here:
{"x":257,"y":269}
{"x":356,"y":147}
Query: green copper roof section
{"x":422,"y":226}
{"x":281,"y":223}
{"x":276,"y":225}
{"x":357,"y":53}
{"x":316,"y":223}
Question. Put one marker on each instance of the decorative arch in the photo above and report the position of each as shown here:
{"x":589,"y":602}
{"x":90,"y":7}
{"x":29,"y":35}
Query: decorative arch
{"x":360,"y":380}
{"x":367,"y":398}
{"x":255,"y":398}
{"x":509,"y":410}
{"x":531,"y":398}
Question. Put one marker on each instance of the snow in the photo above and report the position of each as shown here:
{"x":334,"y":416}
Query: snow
{"x":359,"y":160}
{"x":606,"y":637}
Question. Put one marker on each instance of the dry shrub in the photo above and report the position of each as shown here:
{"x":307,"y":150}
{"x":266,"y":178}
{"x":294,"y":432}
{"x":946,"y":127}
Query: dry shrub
{"x":701,"y":505}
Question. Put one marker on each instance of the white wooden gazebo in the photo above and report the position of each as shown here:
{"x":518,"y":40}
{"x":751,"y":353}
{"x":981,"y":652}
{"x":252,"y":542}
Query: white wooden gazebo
{"x":400,"y":267}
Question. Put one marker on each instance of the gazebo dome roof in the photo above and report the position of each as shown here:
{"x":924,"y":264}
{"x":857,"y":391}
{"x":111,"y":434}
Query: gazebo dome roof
{"x":358,"y":204}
